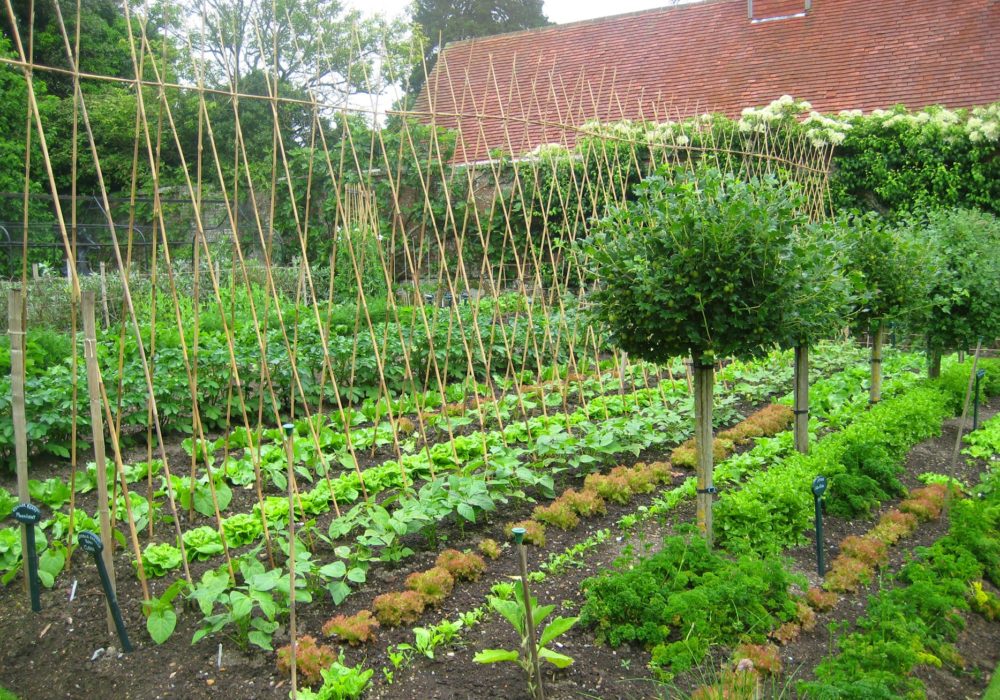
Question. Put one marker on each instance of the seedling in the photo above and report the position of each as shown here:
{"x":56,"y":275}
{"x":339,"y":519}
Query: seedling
{"x":514,"y":612}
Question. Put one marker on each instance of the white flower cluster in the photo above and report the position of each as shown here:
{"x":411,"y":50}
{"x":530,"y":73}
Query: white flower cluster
{"x":984,"y":124}
{"x":548,"y":150}
{"x":934,"y":123}
{"x":981,"y":125}
{"x":823,"y":131}
{"x":625,"y":129}
{"x":760,"y":119}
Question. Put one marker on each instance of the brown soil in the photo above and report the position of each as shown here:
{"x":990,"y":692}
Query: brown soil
{"x":51,"y":654}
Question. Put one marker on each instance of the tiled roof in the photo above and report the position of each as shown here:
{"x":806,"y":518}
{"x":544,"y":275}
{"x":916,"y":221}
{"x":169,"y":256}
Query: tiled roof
{"x":710,"y":57}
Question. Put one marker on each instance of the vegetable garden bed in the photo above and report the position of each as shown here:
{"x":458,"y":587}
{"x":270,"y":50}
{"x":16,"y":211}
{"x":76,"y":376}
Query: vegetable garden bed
{"x":567,"y":558}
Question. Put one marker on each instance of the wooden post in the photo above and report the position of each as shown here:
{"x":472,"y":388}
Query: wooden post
{"x":97,"y":427}
{"x":704,"y":378}
{"x":104,"y":296}
{"x":802,"y":398}
{"x":875,"y":393}
{"x":289,"y":431}
{"x":15,"y":330}
{"x":34,"y":271}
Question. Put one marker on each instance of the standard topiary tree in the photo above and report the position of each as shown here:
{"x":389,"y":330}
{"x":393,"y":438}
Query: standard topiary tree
{"x":700,"y":263}
{"x":965,"y":295}
{"x":893,"y":270}
{"x":820,"y":304}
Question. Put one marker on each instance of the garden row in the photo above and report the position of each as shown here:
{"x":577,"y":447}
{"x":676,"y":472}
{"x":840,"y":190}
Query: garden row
{"x":415,"y":347}
{"x":382,"y":532}
{"x":580,"y":505}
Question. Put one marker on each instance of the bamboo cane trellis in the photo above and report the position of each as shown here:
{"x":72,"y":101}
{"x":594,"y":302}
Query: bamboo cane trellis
{"x":450,"y":274}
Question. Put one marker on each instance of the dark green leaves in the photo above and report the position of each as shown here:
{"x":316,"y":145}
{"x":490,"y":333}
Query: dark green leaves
{"x":700,"y":262}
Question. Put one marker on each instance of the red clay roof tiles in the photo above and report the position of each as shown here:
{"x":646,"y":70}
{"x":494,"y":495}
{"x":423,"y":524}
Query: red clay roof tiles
{"x":709,"y":57}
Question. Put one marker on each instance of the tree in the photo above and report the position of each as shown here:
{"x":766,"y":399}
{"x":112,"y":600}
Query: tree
{"x":703,"y":263}
{"x":893,"y":271}
{"x":443,"y":21}
{"x":318,"y":46}
{"x":820,"y":303}
{"x":965,"y":295}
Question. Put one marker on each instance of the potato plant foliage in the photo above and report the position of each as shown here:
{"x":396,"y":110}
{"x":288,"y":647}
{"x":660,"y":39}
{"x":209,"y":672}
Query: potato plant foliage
{"x":700,"y":262}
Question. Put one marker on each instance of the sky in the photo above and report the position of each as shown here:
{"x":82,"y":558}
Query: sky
{"x":558,"y":11}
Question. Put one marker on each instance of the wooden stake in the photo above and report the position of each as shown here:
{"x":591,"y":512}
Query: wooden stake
{"x":802,"y":398}
{"x":875,"y":393}
{"x":97,"y":428}
{"x":704,"y":378}
{"x":289,"y":431}
{"x":15,"y":329}
{"x":104,"y":296}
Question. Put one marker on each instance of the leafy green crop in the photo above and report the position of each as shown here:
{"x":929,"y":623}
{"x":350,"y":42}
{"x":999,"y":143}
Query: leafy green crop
{"x":685,"y":598}
{"x":202,"y":543}
{"x":159,"y":559}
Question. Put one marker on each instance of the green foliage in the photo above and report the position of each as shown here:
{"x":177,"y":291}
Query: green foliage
{"x":242,"y":529}
{"x":985,"y":442}
{"x":870,"y":477}
{"x":882,"y":260}
{"x":965,"y":296}
{"x":53,"y":492}
{"x":249,"y":611}
{"x":898,"y":161}
{"x":699,"y":262}
{"x":8,"y":501}
{"x":340,"y":682}
{"x":686,"y":598}
{"x":161,"y":617}
{"x":955,"y":376}
{"x":159,"y":559}
{"x":774,"y":508}
{"x":516,"y":613}
{"x":915,"y":623}
{"x":202,"y":543}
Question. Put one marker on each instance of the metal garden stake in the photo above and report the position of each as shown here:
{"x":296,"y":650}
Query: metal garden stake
{"x":818,"y":487}
{"x":975,"y":402}
{"x":92,"y":543}
{"x":29,"y":515}
{"x":518,"y":533}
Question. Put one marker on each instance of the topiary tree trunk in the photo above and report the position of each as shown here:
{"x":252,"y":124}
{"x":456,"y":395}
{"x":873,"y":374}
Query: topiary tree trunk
{"x":933,"y":364}
{"x":802,"y":398}
{"x":704,"y":381}
{"x":878,"y":337}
